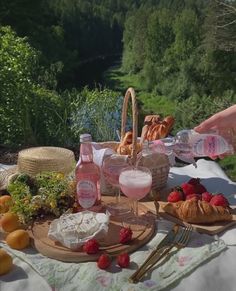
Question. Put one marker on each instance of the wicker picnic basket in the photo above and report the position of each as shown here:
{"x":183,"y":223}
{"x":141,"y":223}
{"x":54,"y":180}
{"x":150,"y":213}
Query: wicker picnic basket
{"x":157,"y":163}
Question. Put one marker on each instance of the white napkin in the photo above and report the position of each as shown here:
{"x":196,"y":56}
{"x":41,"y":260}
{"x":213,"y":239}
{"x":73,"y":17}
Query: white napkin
{"x":23,"y":277}
{"x":229,"y":236}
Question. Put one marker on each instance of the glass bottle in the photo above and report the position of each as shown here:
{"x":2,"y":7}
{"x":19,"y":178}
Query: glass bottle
{"x":188,"y":144}
{"x":87,"y":177}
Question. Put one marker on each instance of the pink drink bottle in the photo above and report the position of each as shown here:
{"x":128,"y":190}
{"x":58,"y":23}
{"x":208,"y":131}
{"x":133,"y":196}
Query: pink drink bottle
{"x":87,"y":177}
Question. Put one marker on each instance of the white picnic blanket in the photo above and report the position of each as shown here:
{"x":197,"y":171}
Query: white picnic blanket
{"x":184,"y":270}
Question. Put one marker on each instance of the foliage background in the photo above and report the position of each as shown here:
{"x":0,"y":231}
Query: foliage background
{"x":179,"y":56}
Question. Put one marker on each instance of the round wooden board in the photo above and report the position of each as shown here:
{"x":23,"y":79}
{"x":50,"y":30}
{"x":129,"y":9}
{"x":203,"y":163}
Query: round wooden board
{"x":110,"y":244}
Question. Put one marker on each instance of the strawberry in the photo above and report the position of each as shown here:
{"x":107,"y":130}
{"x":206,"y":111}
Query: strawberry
{"x":194,"y":196}
{"x":188,"y":188}
{"x":123,"y":260}
{"x":199,"y":188}
{"x":91,"y":246}
{"x":125,"y":235}
{"x":194,"y":181}
{"x":104,"y":261}
{"x":206,"y":196}
{"x":175,"y":196}
{"x":219,"y":200}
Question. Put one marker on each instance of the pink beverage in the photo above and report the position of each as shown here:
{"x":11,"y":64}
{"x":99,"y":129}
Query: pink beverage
{"x":135,"y":183}
{"x":87,"y":176}
{"x":112,"y":166}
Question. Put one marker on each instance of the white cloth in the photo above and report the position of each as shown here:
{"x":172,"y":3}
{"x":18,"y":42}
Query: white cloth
{"x":22,"y":277}
{"x":219,"y":273}
{"x":216,"y":275}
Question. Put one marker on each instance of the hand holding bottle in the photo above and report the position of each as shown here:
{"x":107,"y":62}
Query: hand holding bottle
{"x":223,"y":123}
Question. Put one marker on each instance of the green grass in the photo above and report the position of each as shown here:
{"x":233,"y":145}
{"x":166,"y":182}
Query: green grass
{"x":150,"y":103}
{"x":228,"y":164}
{"x":153,"y":104}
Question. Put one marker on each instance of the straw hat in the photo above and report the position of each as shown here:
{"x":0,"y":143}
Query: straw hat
{"x":38,"y":159}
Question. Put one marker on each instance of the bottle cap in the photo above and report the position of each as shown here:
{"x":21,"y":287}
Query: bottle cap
{"x":85,"y":137}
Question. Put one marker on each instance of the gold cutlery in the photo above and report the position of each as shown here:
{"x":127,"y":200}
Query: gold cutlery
{"x":180,"y":241}
{"x":166,"y":241}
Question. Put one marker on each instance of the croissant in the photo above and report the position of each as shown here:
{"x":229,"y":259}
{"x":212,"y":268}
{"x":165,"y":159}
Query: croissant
{"x":127,"y":138}
{"x":169,"y":123}
{"x":197,"y":211}
{"x":150,"y":132}
{"x":123,"y":149}
{"x":150,"y":119}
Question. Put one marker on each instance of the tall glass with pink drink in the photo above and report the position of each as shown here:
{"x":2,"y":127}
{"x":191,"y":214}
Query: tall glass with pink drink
{"x":135,"y":183}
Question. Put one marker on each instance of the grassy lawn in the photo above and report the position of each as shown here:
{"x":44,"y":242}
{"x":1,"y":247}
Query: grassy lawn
{"x":228,"y":164}
{"x":151,"y":103}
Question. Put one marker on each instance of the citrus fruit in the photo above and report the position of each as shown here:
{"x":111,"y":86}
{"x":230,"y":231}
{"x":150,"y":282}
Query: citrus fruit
{"x":18,"y":239}
{"x":6,"y":262}
{"x":9,"y":222}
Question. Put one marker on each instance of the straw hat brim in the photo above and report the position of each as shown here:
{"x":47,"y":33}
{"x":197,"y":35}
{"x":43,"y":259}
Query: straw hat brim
{"x":5,"y":175}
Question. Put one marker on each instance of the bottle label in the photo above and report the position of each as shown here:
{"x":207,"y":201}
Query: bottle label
{"x":86,"y":193}
{"x":208,"y":145}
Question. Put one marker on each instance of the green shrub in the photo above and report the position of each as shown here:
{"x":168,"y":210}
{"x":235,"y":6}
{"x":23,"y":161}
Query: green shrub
{"x":97,"y":112}
{"x":195,"y":109}
{"x":30,"y":114}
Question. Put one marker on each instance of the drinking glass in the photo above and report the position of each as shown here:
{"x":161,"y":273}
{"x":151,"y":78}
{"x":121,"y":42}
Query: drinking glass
{"x":135,"y":183}
{"x":111,"y":168}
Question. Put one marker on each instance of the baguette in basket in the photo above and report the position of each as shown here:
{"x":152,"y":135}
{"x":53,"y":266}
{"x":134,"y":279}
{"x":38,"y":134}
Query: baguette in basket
{"x":130,"y":145}
{"x":154,"y":128}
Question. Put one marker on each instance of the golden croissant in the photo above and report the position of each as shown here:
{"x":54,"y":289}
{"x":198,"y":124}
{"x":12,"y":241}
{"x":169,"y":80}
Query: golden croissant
{"x":197,"y":211}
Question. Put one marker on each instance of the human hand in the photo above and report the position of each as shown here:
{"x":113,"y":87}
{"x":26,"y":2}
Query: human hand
{"x":222,"y":123}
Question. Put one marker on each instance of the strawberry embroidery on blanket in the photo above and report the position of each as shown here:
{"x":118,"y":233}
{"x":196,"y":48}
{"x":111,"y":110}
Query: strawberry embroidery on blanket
{"x":183,"y":260}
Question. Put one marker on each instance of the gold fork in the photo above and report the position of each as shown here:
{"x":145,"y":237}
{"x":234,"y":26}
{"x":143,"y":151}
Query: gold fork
{"x":168,"y":239}
{"x":179,"y":242}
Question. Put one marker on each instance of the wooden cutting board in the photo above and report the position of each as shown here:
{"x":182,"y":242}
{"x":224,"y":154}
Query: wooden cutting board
{"x":109,"y":245}
{"x":211,"y":229}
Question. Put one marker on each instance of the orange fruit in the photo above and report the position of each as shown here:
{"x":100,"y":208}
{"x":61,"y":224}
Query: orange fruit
{"x":5,"y":202}
{"x":6,"y":262}
{"x":9,"y":222}
{"x":18,"y":239}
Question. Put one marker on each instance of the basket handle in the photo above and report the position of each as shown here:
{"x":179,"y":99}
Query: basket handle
{"x":130,"y":94}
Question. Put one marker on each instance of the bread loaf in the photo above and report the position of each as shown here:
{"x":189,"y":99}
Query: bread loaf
{"x":155,"y":128}
{"x":197,"y":211}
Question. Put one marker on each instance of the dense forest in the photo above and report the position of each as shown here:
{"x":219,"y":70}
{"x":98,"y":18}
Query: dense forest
{"x":53,"y":55}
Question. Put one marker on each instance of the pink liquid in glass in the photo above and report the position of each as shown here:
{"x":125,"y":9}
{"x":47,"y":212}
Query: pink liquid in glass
{"x":135,"y":184}
{"x":112,"y":166}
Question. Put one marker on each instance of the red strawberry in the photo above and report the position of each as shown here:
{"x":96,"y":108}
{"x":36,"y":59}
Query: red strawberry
{"x":175,"y":196}
{"x":206,"y":196}
{"x":91,"y":246}
{"x":194,"y":181}
{"x":219,"y":200}
{"x":123,"y":260}
{"x":199,"y":188}
{"x":188,"y":188}
{"x":194,"y":196}
{"x":104,"y":261}
{"x":125,"y":235}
